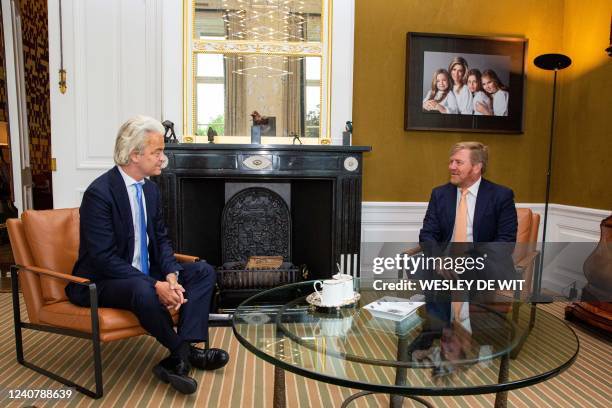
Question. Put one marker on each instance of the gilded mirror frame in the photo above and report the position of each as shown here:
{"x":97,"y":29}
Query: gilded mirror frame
{"x":192,"y":47}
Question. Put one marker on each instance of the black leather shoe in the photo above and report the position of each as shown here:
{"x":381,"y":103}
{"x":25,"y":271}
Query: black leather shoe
{"x":208,"y":359}
{"x":176,"y":372}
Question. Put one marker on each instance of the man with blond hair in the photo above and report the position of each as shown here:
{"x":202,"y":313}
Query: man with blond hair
{"x":124,"y":249}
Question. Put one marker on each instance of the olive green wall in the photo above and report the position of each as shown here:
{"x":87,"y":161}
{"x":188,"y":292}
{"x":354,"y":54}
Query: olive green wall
{"x":582,"y":165}
{"x":405,"y":165}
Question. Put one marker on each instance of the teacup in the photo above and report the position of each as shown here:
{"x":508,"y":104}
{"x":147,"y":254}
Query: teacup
{"x":332,"y":292}
{"x":347,"y":285}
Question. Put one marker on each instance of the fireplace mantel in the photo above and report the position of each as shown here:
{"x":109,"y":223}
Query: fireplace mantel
{"x":325,"y":183}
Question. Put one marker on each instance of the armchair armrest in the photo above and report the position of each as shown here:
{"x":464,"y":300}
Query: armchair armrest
{"x":93,"y":313}
{"x":186,"y":258}
{"x":409,"y":252}
{"x":54,"y":274}
{"x":526,"y":261}
{"x":413,"y":251}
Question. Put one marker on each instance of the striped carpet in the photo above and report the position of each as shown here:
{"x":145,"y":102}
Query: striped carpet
{"x":247,"y":381}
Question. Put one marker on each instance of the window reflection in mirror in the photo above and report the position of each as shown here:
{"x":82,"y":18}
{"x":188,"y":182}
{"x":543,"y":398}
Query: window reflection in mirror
{"x":286,"y":89}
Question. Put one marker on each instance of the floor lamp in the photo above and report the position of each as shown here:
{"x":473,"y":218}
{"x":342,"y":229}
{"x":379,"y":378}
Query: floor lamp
{"x":550,"y":62}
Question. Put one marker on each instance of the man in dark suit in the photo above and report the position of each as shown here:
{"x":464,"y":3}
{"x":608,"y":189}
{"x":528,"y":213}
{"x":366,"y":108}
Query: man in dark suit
{"x":474,"y":214}
{"x":125,"y":251}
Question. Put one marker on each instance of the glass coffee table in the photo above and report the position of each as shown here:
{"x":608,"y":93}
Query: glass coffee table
{"x":500,"y":347}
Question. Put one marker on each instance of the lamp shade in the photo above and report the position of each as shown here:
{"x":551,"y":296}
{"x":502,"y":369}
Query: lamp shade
{"x":552,"y":61}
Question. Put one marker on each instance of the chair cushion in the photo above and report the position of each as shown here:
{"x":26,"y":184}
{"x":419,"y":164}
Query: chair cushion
{"x":65,"y":314}
{"x":53,"y":237}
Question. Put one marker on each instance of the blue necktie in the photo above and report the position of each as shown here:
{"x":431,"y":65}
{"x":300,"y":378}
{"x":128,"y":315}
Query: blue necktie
{"x":144,"y":250}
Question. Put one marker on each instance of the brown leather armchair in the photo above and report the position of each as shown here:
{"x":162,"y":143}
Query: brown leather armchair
{"x":45,"y":245}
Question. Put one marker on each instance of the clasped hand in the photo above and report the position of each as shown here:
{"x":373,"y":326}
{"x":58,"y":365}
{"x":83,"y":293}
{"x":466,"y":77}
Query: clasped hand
{"x":482,"y":108}
{"x":447,"y":274}
{"x":170,"y":292}
{"x":430,"y":105}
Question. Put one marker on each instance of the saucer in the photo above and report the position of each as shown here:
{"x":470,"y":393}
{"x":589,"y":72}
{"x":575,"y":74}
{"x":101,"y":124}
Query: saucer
{"x":315,"y":300}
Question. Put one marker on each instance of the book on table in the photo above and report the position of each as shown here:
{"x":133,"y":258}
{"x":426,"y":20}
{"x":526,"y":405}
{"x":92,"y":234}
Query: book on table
{"x":393,"y":308}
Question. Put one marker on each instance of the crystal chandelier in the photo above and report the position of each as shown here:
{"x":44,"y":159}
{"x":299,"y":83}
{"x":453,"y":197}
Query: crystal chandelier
{"x":264,"y":20}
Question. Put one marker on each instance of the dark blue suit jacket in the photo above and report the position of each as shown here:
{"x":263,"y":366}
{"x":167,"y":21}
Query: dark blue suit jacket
{"x":107,"y":232}
{"x":494,"y":216}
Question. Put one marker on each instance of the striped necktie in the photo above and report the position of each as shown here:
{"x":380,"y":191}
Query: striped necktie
{"x":142,"y":222}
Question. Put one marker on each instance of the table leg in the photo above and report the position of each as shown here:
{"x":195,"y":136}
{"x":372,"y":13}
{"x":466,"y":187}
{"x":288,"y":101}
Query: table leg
{"x":396,"y":401}
{"x":501,"y":398}
{"x":532,"y":316}
{"x":280,"y":397}
{"x":279,"y":400}
{"x":403,"y":354}
{"x":353,"y":397}
{"x":532,"y":319}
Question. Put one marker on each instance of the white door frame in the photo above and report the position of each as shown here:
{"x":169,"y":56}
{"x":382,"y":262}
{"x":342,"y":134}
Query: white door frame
{"x":18,"y":124}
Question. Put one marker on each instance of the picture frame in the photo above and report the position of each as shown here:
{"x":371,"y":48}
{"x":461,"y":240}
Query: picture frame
{"x":491,"y":103}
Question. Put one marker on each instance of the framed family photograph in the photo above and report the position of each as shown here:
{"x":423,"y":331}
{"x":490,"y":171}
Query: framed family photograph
{"x":464,"y":83}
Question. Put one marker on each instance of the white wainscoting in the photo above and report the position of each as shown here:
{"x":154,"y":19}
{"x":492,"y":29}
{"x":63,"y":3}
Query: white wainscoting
{"x":570,"y":230}
{"x":402,"y":221}
{"x":569,"y":227}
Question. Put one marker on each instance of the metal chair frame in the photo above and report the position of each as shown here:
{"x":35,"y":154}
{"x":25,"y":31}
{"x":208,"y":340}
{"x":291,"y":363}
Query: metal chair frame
{"x":94,"y":336}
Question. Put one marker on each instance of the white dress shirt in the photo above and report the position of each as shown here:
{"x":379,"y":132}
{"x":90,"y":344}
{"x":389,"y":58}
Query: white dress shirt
{"x":471,"y":205}
{"x":500,"y":103}
{"x":131,"y":189}
{"x":464,"y":318}
{"x":464,"y":100}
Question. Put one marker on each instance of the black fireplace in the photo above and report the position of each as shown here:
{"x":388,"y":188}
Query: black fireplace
{"x":319,"y":185}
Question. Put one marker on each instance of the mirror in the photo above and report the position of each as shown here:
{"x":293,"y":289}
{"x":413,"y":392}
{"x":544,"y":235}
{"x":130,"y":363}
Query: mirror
{"x":234,"y":75}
